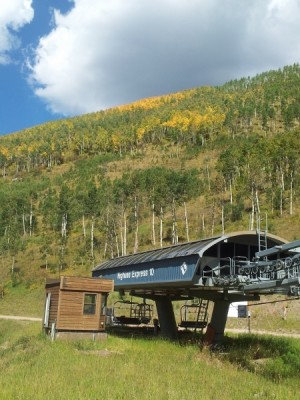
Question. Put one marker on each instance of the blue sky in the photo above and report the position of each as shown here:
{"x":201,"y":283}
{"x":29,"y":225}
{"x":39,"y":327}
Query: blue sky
{"x":60,"y":58}
{"x":19,"y":106}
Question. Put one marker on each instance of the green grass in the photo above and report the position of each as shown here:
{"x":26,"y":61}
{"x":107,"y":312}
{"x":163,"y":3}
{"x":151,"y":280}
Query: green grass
{"x":23,"y":301}
{"x":270,"y":316}
{"x":246,"y":367}
{"x":33,"y":367}
{"x":275,"y":358}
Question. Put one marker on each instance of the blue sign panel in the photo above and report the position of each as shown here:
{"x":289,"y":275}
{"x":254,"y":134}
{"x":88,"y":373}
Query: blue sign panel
{"x":174,"y":270}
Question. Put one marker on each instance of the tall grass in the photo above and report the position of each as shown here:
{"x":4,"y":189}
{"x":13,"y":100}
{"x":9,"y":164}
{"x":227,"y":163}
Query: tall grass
{"x":277,"y":359}
{"x":33,"y":367}
{"x":24,"y":301}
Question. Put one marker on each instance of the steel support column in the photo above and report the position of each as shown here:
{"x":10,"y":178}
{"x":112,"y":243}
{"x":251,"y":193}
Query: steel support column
{"x":166,"y":317}
{"x":215,"y":330}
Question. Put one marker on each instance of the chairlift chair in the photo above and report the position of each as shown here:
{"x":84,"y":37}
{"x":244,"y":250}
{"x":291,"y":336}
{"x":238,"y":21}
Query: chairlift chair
{"x":194,"y":315}
{"x":128,"y":312}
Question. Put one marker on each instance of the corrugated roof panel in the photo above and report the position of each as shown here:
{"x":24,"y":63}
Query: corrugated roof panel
{"x":180,"y":250}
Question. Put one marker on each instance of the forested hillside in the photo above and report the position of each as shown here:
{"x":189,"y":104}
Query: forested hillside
{"x":153,"y":173}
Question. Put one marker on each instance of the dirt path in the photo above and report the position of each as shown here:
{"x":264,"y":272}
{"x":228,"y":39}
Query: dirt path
{"x":259,"y":332}
{"x":19,"y":318}
{"x":255,"y":332}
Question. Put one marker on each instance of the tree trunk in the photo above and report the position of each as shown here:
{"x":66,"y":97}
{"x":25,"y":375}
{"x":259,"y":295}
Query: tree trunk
{"x":222,"y":218}
{"x":213,"y":220}
{"x":257,"y":207}
{"x":186,"y":223}
{"x":153,"y":225}
{"x":13,"y":265}
{"x":62,"y":255}
{"x":117,"y":241}
{"x":23,"y":221}
{"x":161,"y":218}
{"x":107,"y":233}
{"x":203,"y":222}
{"x":121,"y":234}
{"x":83,"y":226}
{"x":30,"y":220}
{"x":230,"y":189}
{"x":92,"y":238}
{"x":125,"y":234}
{"x":174,"y":223}
{"x":282,"y":188}
{"x":64,"y":226}
{"x":136,"y":219}
{"x":208,"y":176}
{"x":251,"y":225}
{"x":291,"y":193}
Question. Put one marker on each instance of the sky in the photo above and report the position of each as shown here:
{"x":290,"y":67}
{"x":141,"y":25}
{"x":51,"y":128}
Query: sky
{"x":61,"y":58}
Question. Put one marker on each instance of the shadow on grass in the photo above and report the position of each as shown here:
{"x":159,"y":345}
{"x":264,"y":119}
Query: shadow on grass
{"x":273,"y":357}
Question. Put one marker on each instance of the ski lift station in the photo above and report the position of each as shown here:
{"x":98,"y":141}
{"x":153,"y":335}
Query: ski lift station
{"x":223,"y":269}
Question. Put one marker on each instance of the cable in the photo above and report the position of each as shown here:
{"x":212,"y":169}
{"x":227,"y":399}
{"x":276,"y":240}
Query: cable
{"x":270,"y":302}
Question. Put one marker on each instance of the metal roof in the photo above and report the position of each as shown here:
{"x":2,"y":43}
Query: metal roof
{"x":180,"y":250}
{"x":175,"y":269}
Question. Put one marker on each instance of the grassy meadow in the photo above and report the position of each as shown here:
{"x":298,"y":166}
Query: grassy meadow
{"x":33,"y":367}
{"x":131,"y":367}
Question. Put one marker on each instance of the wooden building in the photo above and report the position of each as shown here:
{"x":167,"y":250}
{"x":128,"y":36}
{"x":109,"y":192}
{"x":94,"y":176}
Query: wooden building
{"x":76,"y":304}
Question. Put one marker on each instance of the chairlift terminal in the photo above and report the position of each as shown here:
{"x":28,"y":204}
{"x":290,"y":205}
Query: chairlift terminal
{"x":223,"y":269}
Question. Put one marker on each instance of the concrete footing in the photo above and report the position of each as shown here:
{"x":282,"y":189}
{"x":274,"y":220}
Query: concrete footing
{"x":80,"y":335}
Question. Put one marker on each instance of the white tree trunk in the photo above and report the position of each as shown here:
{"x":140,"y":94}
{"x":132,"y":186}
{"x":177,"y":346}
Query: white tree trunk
{"x":83,"y":226}
{"x":30,"y":220}
{"x":231,"y":195}
{"x":24,"y":226}
{"x":13,"y":265}
{"x":125,"y":234}
{"x":174,"y":223}
{"x":64,"y":223}
{"x":208,"y":177}
{"x":282,"y":188}
{"x":257,"y":202}
{"x":92,"y":237}
{"x":251,"y":225}
{"x":161,"y":217}
{"x":222,"y":218}
{"x":213,"y":221}
{"x":136,"y":233}
{"x":121,"y":234}
{"x":117,"y":241}
{"x":153,"y":224}
{"x":186,"y":223}
{"x":291,"y":193}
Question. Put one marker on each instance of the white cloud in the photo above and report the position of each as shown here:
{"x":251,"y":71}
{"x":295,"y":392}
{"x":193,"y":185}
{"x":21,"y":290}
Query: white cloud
{"x":103,"y":53}
{"x":14,"y":14}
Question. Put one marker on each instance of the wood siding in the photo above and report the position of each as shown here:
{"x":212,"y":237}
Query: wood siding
{"x":67,"y":303}
{"x":95,"y":285}
{"x":71,"y":316}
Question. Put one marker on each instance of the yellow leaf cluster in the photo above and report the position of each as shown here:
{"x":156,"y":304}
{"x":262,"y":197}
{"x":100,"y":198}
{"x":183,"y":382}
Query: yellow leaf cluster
{"x":4,"y":151}
{"x":116,"y":141}
{"x":140,"y":133}
{"x":193,"y":120}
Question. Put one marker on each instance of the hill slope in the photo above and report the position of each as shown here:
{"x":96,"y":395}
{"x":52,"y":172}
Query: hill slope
{"x":149,"y":174}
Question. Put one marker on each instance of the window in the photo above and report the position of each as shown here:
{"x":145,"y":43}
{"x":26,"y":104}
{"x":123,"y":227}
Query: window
{"x":89,"y":306}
